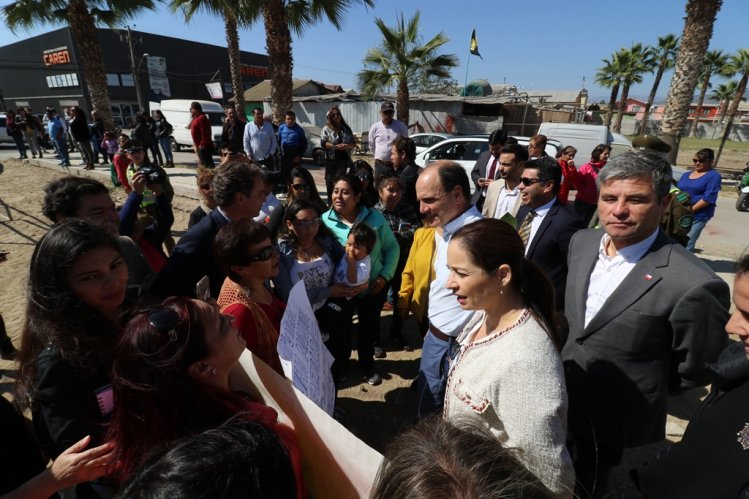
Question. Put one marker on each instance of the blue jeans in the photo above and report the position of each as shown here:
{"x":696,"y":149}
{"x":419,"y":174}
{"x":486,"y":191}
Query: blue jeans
{"x":166,"y":147}
{"x":20,"y":145}
{"x":62,"y":149}
{"x":430,"y":384}
{"x":694,"y":233}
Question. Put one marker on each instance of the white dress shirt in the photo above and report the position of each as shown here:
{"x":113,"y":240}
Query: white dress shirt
{"x":259,"y":142}
{"x":382,"y":136}
{"x":610,"y":271}
{"x":444,"y":310}
{"x":541,"y":212}
{"x":505,"y":201}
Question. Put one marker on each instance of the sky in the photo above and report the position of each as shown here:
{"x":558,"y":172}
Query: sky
{"x":538,"y":45}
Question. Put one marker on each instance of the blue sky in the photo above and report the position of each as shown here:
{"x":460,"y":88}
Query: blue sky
{"x":541,"y":45}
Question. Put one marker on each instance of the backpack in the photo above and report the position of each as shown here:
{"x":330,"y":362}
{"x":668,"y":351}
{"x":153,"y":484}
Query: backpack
{"x":677,"y":218}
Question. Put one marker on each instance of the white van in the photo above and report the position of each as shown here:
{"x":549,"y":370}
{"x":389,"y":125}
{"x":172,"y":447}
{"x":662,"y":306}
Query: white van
{"x":177,"y":112}
{"x":585,"y":138}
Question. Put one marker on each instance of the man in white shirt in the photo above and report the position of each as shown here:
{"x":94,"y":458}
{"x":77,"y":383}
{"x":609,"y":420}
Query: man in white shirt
{"x":503,"y":195}
{"x":260,"y":139}
{"x":381,"y":136}
{"x":645,"y":317}
{"x":444,"y":194}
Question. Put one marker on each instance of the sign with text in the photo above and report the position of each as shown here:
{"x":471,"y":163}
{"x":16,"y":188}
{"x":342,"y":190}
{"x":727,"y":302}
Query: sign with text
{"x":254,"y":71}
{"x":53,"y":57}
{"x":158,"y":81}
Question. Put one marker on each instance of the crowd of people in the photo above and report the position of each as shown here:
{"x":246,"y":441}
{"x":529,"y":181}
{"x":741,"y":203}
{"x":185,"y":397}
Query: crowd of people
{"x":548,"y":354}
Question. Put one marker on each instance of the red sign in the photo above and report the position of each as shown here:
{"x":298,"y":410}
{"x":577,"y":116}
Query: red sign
{"x":56,"y":56}
{"x":254,"y":71}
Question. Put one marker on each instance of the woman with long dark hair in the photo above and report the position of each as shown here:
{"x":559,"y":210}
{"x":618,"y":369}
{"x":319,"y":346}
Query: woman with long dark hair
{"x":586,"y":199}
{"x":301,"y":186}
{"x":338,"y":141}
{"x":171,"y":379}
{"x":522,"y":399}
{"x":82,"y":135}
{"x":76,"y":290}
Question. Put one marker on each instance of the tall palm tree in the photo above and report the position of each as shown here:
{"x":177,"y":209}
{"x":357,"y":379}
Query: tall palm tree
{"x":634,"y":62}
{"x":664,"y":54}
{"x":739,"y":65}
{"x":723,"y":93}
{"x":82,"y":17}
{"x":715,"y":62}
{"x":402,"y":60}
{"x":230,"y":11}
{"x":608,"y":77}
{"x":280,"y":18}
{"x":698,"y":29}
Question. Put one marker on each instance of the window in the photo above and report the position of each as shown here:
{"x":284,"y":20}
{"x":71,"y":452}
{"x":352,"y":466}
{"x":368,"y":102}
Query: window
{"x":127,"y":80}
{"x":113,"y":80}
{"x":63,"y":80}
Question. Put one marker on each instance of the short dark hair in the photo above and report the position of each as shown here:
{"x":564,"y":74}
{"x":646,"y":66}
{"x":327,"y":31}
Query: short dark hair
{"x":742,"y":265}
{"x":239,"y":459}
{"x":520,"y":152}
{"x":230,"y":245}
{"x":405,"y":145}
{"x":364,"y":234}
{"x":540,"y":140}
{"x":291,"y":113}
{"x":62,"y":197}
{"x":257,"y":109}
{"x":353,"y":182}
{"x":196,"y":105}
{"x":231,"y":178}
{"x":498,"y":137}
{"x":706,"y":154}
{"x":548,"y":169}
{"x":451,"y":174}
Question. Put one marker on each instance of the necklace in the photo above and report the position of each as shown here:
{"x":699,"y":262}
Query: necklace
{"x":308,"y":252}
{"x":267,"y":299}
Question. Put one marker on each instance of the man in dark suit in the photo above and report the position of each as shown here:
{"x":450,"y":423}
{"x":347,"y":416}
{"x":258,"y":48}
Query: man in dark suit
{"x":239,"y":193}
{"x":486,"y":169}
{"x":548,"y":223}
{"x":645,"y":317}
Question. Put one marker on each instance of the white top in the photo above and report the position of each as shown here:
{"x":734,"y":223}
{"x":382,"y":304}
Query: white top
{"x":541,"y":212}
{"x":316,"y":274}
{"x":512,"y":382}
{"x":363,"y":267}
{"x":381,"y":137}
{"x":610,"y":271}
{"x":506,"y":201}
{"x":259,"y":142}
{"x":444,"y":310}
{"x":270,"y":204}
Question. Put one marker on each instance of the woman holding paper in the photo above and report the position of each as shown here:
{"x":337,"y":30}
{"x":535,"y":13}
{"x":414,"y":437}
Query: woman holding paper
{"x":245,"y":253}
{"x":172,"y":379}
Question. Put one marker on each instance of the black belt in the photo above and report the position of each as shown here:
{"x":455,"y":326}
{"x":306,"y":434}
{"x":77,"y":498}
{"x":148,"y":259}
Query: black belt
{"x":439,"y":334}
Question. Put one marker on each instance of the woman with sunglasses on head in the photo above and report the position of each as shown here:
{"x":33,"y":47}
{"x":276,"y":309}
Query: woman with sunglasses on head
{"x":338,"y":141}
{"x":245,"y":253}
{"x":76,"y":290}
{"x":702,"y":184}
{"x":172,"y":379}
{"x":505,"y":371}
{"x":301,"y":186}
{"x":365,"y":172}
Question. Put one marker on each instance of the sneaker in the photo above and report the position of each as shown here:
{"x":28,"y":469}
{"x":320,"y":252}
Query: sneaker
{"x":373,"y":379}
{"x":7,"y":350}
{"x":379,"y":353}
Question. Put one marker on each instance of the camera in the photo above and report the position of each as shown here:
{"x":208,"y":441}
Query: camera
{"x":151,"y":174}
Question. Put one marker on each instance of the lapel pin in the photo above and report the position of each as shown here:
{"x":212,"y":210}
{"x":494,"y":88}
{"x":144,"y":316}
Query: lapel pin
{"x":743,"y":437}
{"x":648,"y":277}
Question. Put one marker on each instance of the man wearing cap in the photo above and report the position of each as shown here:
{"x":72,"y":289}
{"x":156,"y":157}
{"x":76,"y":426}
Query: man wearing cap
{"x":381,"y":138}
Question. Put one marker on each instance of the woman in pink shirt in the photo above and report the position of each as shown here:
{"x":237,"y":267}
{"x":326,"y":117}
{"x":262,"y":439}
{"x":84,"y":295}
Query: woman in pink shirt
{"x":586,"y":200}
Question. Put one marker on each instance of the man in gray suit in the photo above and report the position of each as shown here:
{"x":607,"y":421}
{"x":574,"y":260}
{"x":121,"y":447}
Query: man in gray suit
{"x":645,"y":317}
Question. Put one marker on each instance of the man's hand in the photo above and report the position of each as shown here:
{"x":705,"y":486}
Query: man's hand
{"x":484,"y":182}
{"x":138,"y":183}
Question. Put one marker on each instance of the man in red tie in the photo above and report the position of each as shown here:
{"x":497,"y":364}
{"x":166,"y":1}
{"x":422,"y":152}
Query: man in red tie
{"x":486,"y":168}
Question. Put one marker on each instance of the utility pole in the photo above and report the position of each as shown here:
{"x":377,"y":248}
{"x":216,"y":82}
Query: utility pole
{"x":134,"y":70}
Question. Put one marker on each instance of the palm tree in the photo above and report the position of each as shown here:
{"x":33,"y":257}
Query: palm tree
{"x":229,"y":10}
{"x":698,"y":29}
{"x":739,"y":65}
{"x":715,"y":62}
{"x":280,"y":18}
{"x":608,"y":77}
{"x":402,"y":61}
{"x":633,"y":63}
{"x":723,"y":93}
{"x":82,"y":17}
{"x":664,"y":55}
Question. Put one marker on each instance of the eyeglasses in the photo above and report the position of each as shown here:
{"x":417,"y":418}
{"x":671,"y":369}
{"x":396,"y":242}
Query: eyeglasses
{"x":302,"y":224}
{"x":264,"y":255}
{"x":299,"y":187}
{"x":529,"y":181}
{"x":165,"y":321}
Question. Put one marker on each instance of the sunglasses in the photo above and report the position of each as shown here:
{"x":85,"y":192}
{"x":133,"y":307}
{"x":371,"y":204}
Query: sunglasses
{"x":698,"y":161}
{"x":165,"y":320}
{"x":264,"y":255}
{"x":334,"y":115}
{"x":529,"y":181}
{"x":299,"y":187}
{"x":365,"y":176}
{"x":306,"y":223}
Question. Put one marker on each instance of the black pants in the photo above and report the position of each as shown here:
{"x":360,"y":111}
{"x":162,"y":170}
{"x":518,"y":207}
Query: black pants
{"x":157,"y":158}
{"x":333,"y":169}
{"x":335,"y":319}
{"x":206,"y":156}
{"x":585,"y":211}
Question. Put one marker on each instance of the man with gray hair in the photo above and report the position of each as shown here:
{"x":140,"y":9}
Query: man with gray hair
{"x":645,"y":318}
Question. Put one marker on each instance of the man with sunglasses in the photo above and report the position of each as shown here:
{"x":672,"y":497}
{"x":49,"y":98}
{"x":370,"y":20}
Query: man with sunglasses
{"x":545,"y":225}
{"x":381,"y":137}
{"x":503,"y":194}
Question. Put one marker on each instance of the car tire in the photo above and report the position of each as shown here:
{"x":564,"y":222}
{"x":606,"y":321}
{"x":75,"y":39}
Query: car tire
{"x":318,"y":157}
{"x":742,"y":203}
{"x":173,"y":145}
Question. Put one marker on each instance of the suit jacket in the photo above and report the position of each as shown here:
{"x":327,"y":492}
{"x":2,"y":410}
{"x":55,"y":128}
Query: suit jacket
{"x":492,"y":196}
{"x":653,"y":336}
{"x":479,"y":171}
{"x":191,"y":259}
{"x":550,"y":244}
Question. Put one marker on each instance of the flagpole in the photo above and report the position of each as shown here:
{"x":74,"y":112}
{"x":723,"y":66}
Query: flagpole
{"x":465,"y":85}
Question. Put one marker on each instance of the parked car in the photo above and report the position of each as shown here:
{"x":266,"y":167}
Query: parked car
{"x":585,"y":138}
{"x":4,"y":137}
{"x":314,"y":146}
{"x":465,"y":150}
{"x":424,"y":141}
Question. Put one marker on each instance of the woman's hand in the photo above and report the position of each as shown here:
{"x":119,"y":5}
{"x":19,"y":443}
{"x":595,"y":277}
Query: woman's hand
{"x":378,"y":285}
{"x":75,"y":465}
{"x":343,"y":291}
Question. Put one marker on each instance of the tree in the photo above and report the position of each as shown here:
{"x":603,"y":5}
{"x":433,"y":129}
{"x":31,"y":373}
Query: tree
{"x":608,"y":77}
{"x":82,"y":17}
{"x":633,"y":63}
{"x":715,"y":62}
{"x":723,"y":93}
{"x":739,"y":65}
{"x":280,"y":17}
{"x":664,"y":55}
{"x":402,"y":61}
{"x":230,"y":11}
{"x":698,"y":29}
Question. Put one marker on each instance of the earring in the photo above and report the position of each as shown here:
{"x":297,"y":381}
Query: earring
{"x":213,"y":371}
{"x":501,"y":291}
